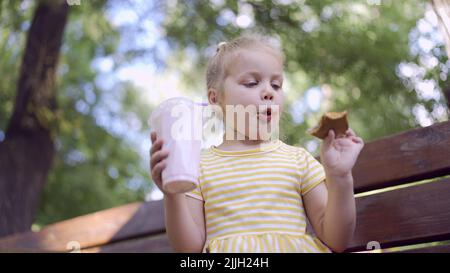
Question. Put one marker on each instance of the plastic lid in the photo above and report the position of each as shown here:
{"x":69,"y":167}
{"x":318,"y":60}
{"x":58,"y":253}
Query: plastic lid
{"x":170,"y":103}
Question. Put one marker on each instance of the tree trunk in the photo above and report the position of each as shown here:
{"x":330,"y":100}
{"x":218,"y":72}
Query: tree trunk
{"x":27,"y":151}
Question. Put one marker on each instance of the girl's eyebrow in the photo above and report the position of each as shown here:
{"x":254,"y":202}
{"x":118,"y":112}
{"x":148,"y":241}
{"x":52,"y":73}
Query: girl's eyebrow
{"x":279,"y":76}
{"x":256,"y":73}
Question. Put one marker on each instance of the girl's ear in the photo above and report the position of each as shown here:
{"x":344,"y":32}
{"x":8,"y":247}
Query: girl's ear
{"x":213,"y":96}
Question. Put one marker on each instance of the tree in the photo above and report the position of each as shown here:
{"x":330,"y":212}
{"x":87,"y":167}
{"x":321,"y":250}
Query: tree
{"x":27,"y":151}
{"x":353,"y":50}
{"x":94,"y":165}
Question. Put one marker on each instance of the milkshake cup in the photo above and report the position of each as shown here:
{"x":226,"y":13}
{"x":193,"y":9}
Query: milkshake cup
{"x":179,"y":122}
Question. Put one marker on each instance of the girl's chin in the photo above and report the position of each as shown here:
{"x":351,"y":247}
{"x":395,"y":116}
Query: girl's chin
{"x":259,"y":134}
{"x":264,"y":118}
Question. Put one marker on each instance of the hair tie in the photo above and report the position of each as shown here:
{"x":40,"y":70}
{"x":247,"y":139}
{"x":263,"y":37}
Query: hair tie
{"x":220,"y":45}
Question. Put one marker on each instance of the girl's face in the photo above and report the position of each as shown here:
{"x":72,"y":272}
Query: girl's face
{"x":254,"y":78}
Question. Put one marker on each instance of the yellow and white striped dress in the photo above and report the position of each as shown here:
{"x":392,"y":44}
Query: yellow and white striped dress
{"x":253,"y":199}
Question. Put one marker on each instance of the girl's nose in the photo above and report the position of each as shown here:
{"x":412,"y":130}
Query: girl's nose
{"x":268,"y":97}
{"x":267,"y":93}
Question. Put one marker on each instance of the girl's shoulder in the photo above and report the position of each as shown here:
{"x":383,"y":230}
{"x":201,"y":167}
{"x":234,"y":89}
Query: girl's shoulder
{"x":206,"y":154}
{"x":294,"y":150}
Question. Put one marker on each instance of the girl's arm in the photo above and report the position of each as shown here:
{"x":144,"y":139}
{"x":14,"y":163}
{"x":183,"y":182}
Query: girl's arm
{"x":184,"y":216}
{"x":331,"y":210}
{"x":331,"y":205}
{"x":185,"y":222}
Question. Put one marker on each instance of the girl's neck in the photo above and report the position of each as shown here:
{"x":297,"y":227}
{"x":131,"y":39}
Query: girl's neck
{"x":238,"y":145}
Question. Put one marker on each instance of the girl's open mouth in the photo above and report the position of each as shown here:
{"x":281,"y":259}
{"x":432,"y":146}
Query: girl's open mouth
{"x":266,"y":115}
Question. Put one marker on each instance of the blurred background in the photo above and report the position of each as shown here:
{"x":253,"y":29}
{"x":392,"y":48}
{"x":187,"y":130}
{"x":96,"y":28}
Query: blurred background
{"x":74,"y":131}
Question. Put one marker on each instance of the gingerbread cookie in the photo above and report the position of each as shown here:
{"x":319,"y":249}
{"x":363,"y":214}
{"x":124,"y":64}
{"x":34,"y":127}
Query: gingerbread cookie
{"x":331,"y":120}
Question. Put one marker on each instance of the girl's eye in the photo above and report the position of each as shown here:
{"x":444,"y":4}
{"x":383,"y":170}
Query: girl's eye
{"x":250,"y":84}
{"x":276,"y":86}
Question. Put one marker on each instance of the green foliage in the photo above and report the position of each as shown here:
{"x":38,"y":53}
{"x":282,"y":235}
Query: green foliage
{"x":94,"y":168}
{"x":12,"y":42}
{"x":352,"y":47}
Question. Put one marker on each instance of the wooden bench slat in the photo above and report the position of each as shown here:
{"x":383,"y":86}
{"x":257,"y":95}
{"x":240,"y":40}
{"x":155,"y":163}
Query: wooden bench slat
{"x":151,"y":244}
{"x":120,"y":223}
{"x":410,"y":215}
{"x":430,"y":249}
{"x":410,"y":156}
{"x":160,"y":244}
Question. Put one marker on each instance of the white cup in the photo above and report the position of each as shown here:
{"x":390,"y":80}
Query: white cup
{"x":178,"y":121}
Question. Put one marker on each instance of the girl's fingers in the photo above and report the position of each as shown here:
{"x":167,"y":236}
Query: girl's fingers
{"x":360,"y":139}
{"x":357,"y":139}
{"x":156,"y":171}
{"x":153,"y":136}
{"x":157,"y":157}
{"x":331,"y":134}
{"x":156,"y":146}
{"x":328,"y":140}
{"x":350,"y":132}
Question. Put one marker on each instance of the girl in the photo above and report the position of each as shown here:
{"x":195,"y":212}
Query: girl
{"x":255,"y":195}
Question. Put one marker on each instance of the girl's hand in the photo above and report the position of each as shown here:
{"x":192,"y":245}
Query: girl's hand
{"x":157,"y":160}
{"x":338,"y":155}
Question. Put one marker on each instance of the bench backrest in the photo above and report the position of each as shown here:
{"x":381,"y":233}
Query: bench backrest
{"x":387,"y":214}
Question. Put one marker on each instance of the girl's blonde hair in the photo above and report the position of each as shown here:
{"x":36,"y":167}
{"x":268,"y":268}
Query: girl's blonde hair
{"x":217,"y":65}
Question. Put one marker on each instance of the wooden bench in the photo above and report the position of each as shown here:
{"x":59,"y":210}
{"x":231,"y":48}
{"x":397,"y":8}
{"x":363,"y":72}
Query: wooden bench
{"x":414,"y":217}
